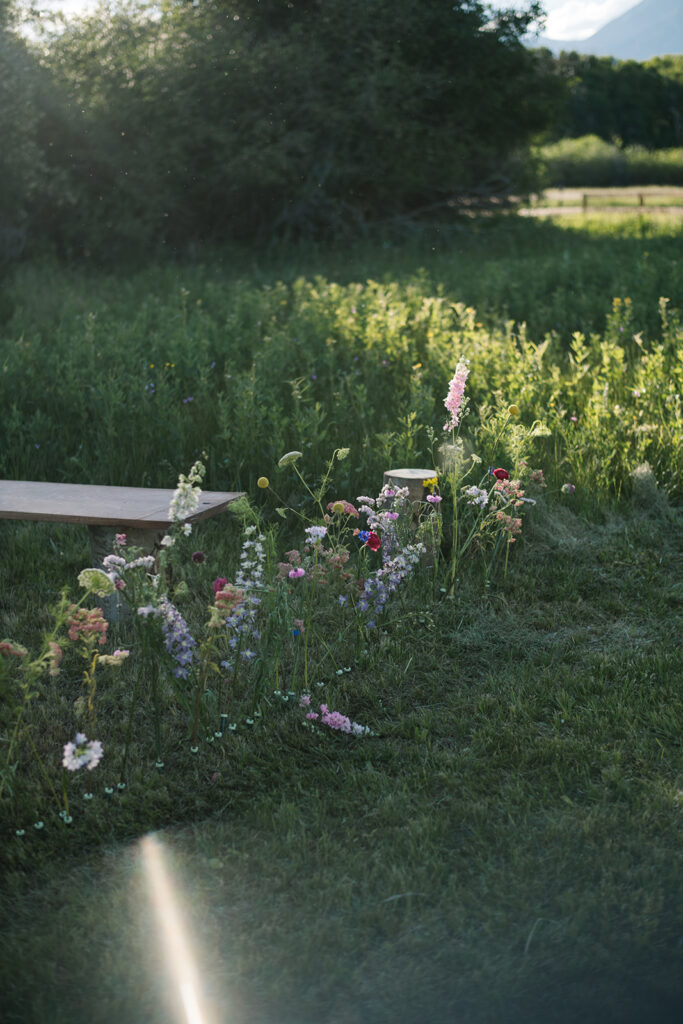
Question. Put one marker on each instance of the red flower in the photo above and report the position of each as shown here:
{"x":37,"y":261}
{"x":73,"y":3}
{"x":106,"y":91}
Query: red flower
{"x":501,"y":474}
{"x":373,"y":542}
{"x":219,"y":583}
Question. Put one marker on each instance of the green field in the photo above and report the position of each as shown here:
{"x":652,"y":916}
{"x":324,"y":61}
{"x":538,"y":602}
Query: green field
{"x":503,"y":845}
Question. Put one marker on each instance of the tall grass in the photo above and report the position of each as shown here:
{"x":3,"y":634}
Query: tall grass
{"x":247,"y":367}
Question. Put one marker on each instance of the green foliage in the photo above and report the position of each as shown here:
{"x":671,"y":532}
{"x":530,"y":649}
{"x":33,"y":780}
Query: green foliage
{"x":252,"y":367}
{"x":625,"y":102}
{"x":21,"y":158}
{"x":237,"y":120}
{"x":590,"y":161}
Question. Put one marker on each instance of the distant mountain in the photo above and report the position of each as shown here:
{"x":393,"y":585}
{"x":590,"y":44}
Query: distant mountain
{"x":653,"y":28}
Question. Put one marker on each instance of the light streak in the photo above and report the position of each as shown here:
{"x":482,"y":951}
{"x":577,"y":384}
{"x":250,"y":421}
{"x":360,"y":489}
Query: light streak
{"x":174,"y":935}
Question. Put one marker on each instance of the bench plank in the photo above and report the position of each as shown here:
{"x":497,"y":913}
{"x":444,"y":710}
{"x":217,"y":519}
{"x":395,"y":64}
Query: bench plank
{"x":97,"y":505}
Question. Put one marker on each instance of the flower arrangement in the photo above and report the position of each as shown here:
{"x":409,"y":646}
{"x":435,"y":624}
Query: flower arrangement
{"x":206,"y":644}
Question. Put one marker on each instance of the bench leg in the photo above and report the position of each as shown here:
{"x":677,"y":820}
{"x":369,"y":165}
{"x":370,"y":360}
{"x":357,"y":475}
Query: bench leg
{"x":103,"y":543}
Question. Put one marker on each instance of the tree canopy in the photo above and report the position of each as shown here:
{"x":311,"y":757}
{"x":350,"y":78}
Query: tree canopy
{"x":623,"y":101}
{"x":174,"y":122}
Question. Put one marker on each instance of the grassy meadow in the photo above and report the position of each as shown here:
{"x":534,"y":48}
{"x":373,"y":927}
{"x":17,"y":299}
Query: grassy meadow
{"x":503,"y":843}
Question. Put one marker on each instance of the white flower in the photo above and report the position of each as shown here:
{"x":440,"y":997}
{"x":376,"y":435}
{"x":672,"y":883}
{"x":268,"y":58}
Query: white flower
{"x":186,"y":495}
{"x":477,"y":496}
{"x":82,"y":752}
{"x":112,"y":561}
{"x":289,"y":458}
{"x":145,"y":562}
{"x":167,"y":541}
{"x":316,"y":532}
{"x":113,"y":659}
{"x":146,"y":610}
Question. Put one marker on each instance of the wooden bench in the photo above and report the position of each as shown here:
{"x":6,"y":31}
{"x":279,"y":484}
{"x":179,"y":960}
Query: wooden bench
{"x":142,"y":513}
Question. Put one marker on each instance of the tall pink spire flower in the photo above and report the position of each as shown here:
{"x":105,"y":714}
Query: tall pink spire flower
{"x":456,"y":390}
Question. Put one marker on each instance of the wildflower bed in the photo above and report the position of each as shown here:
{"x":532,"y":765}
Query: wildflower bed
{"x":484,"y":812}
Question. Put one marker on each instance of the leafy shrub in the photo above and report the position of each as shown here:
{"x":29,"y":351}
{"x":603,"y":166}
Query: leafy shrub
{"x":592,"y":162}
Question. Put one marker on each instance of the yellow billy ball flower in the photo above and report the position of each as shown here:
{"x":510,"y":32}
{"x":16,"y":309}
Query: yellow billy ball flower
{"x":513,"y":410}
{"x":263,"y":482}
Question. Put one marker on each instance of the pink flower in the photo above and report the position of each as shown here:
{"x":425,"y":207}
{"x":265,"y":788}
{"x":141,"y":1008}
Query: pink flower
{"x":312,"y":715}
{"x":305,"y":701}
{"x":228,"y":597}
{"x":120,"y":540}
{"x":84,"y":623}
{"x":10,"y":647}
{"x":342,"y":506}
{"x":434,"y":499}
{"x":456,"y":390}
{"x":219,"y":583}
{"x":295,"y":574}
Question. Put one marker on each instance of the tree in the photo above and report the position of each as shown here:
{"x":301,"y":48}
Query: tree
{"x":627,"y":102}
{"x":238,"y":118}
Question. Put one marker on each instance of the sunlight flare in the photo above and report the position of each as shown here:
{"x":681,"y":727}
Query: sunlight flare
{"x":177,"y":952}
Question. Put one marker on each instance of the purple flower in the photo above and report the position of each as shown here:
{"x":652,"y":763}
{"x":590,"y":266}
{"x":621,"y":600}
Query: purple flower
{"x":198,"y":557}
{"x":178,"y":640}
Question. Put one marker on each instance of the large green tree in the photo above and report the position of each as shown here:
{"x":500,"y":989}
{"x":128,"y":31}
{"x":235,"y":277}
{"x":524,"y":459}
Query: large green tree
{"x":238,"y":118}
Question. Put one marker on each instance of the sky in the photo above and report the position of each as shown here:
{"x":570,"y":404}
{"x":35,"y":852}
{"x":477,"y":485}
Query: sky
{"x":567,"y":19}
{"x":576,"y":19}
